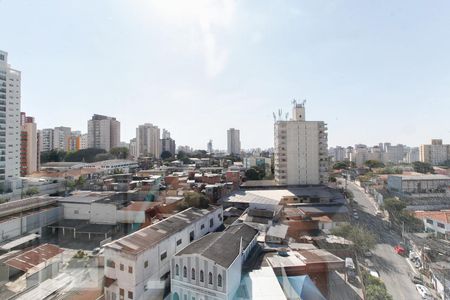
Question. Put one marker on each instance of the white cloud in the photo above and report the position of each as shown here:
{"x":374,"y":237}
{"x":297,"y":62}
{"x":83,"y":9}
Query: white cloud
{"x":212,"y":18}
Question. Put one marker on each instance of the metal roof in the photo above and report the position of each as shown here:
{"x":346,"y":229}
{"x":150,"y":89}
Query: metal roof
{"x":34,"y":257}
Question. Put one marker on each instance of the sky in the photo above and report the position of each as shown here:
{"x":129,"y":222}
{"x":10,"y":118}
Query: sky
{"x":374,"y":71}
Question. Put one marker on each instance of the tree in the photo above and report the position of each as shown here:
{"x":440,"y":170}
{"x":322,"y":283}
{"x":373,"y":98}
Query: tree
{"x":422,"y":167}
{"x":255,"y":173}
{"x":374,"y":164}
{"x":32,"y":191}
{"x":362,"y":238}
{"x":332,"y":179}
{"x":103,"y":156}
{"x":166,"y":155}
{"x":84,"y":155}
{"x":377,"y":292}
{"x":52,"y":156}
{"x":119,"y":152}
{"x":194,"y":199}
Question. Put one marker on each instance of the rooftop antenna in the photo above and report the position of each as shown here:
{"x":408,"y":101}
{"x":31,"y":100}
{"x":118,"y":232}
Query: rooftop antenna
{"x":304,"y":101}
{"x":294,"y":102}
{"x":274,"y":117}
{"x":287,"y":115}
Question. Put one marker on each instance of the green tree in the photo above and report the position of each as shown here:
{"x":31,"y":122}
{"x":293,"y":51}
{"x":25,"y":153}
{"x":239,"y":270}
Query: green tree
{"x":255,"y":173}
{"x":341,"y":165}
{"x":119,"y":152}
{"x":194,"y":199}
{"x":52,"y":156}
{"x":166,"y":155}
{"x":32,"y":191}
{"x":374,"y":164}
{"x":84,"y":155}
{"x":362,"y":238}
{"x":377,"y":292}
{"x":423,"y":167}
{"x":103,"y":156}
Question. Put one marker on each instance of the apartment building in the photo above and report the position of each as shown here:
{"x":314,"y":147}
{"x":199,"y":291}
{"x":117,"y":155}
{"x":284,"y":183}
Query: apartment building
{"x":29,"y":150}
{"x":137,"y":266}
{"x":148,"y":141}
{"x":10,"y":96}
{"x":60,"y":137}
{"x":419,"y":184}
{"x":46,"y":139}
{"x":412,"y":155}
{"x":233,"y":141}
{"x":167,"y":143}
{"x":211,"y":267}
{"x":103,"y":132}
{"x":301,"y":155}
{"x":434,"y":153}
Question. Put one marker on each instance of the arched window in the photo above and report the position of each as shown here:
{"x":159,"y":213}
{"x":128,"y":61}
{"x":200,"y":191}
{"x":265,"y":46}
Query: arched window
{"x":193,"y":274}
{"x":177,"y":269}
{"x":201,"y":276}
{"x":184,"y":272}
{"x":210,"y":278}
{"x":219,"y":280}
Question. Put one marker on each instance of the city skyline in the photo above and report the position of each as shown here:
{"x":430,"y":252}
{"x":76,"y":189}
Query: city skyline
{"x":213,"y":55}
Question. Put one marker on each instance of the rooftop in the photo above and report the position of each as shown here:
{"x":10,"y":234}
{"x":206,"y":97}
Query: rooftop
{"x":222,"y":247}
{"x":279,"y":231}
{"x":440,"y":216}
{"x":422,"y":177}
{"x":148,"y":237}
{"x":87,"y":197}
{"x":34,"y":257}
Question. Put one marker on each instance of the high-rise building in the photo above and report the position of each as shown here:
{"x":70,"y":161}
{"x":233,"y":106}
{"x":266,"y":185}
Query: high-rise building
{"x":84,"y":141}
{"x":300,"y":150}
{"x":436,"y":153}
{"x":167,"y":143}
{"x":209,"y":147}
{"x":61,"y":135}
{"x":103,"y":132}
{"x":148,"y":141}
{"x":46,"y":139}
{"x":233,"y":141}
{"x":10,"y":96}
{"x":412,"y":155}
{"x":29,"y":150}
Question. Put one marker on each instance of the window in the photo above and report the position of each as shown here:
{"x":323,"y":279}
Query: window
{"x":163,"y":255}
{"x":76,"y":212}
{"x":202,"y":227}
{"x":210,"y":278}
{"x":193,"y":274}
{"x":121,"y":293}
{"x":219,"y":280}
{"x":211,"y":223}
{"x":201,"y":276}
{"x":121,"y":267}
{"x":430,"y":221}
{"x":219,"y":217}
{"x":177,"y":270}
{"x":440,"y":225}
{"x":184,"y":272}
{"x":110,"y":263}
{"x":130,"y":270}
{"x":146,"y":264}
{"x":130,"y":295}
{"x":179,"y":242}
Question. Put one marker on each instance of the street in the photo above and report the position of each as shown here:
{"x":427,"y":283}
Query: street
{"x":393,"y":268}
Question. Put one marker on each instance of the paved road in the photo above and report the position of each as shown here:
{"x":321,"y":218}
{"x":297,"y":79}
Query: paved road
{"x":392,"y":267}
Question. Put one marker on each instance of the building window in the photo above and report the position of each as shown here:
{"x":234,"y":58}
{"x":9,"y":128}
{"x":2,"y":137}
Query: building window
{"x":146,"y":264}
{"x":210,"y":278}
{"x":177,"y":269}
{"x":121,"y":294}
{"x":219,"y":280}
{"x":110,"y":263}
{"x":202,"y":279}
{"x":220,"y":217}
{"x":121,"y":267}
{"x":202,"y":227}
{"x":130,"y":295}
{"x":130,"y":270}
{"x":179,"y":242}
{"x":211,"y":223}
{"x":163,"y":255}
{"x":184,"y":272}
{"x":440,"y":225}
{"x":193,"y":274}
{"x":76,"y":212}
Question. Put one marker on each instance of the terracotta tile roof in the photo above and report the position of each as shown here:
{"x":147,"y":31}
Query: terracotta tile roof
{"x":440,"y":216}
{"x":34,"y":257}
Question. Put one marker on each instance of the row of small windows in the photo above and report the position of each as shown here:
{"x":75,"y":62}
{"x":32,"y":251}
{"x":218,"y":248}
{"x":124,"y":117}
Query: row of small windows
{"x":202,"y":278}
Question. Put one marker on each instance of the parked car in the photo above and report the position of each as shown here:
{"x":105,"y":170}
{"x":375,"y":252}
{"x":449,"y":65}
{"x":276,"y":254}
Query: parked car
{"x":355,"y":216}
{"x":424,"y":292}
{"x":416,"y":279}
{"x":399,"y":249}
{"x":368,"y":253}
{"x":374,"y":273}
{"x":379,"y":213}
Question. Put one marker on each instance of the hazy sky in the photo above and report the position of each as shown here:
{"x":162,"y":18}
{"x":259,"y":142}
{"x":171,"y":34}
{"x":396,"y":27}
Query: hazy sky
{"x":373,"y":70}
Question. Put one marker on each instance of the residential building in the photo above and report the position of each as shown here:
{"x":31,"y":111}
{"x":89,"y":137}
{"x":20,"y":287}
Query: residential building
{"x":84,"y":141}
{"x":412,"y":155}
{"x":419,"y":184}
{"x":46,"y":139}
{"x":233,"y":141}
{"x":209,"y":147}
{"x":300,"y":150}
{"x":148,"y":141}
{"x":103,"y":132}
{"x":375,"y":153}
{"x":185,"y":149}
{"x":137,"y":265}
{"x":337,"y":154}
{"x":60,"y":138}
{"x":29,"y":150}
{"x":359,"y":155}
{"x":436,"y":153}
{"x":10,"y":96}
{"x":393,"y":154}
{"x":211,"y":268}
{"x":132,"y":149}
{"x":167,"y":143}
{"x":74,"y":141}
{"x":437,"y":222}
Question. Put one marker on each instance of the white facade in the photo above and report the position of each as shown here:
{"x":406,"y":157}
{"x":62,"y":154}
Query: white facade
{"x":84,"y":141}
{"x":103,"y":132}
{"x":148,"y":142}
{"x":233,"y":141}
{"x":137,"y":265}
{"x":301,"y":153}
{"x":46,"y":139}
{"x":10,"y":96}
{"x":61,"y":135}
{"x":412,"y":155}
{"x":436,"y":153}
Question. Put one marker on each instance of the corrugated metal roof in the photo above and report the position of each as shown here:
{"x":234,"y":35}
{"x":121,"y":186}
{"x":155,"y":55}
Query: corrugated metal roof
{"x":34,"y":257}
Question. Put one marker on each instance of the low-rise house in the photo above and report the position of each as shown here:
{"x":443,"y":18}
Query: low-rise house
{"x":277,"y":234}
{"x":437,"y":222}
{"x":211,"y":267}
{"x":138,"y":265}
{"x":419,"y":185}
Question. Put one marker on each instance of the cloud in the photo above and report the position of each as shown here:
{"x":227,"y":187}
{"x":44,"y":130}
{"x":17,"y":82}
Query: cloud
{"x":212,"y":18}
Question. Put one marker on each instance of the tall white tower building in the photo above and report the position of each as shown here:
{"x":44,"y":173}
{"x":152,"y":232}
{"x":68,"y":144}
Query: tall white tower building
{"x":300,"y":150}
{"x":103,"y":132}
{"x":233,"y":141}
{"x":148,"y":142}
{"x":10,"y":95}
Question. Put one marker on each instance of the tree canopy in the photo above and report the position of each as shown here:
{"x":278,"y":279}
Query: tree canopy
{"x":374,"y":164}
{"x":362,"y":238}
{"x":166,"y":155}
{"x":255,"y":173}
{"x":422,"y":167}
{"x":194,"y":199}
{"x":119,"y":152}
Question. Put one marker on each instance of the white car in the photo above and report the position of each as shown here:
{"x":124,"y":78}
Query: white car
{"x":374,"y":273}
{"x":424,"y":292}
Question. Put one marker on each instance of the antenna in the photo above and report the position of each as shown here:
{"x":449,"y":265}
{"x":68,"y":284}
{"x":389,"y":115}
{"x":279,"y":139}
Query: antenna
{"x":294,"y":102}
{"x":304,"y":101}
{"x":274,"y":117}
{"x":287,"y":115}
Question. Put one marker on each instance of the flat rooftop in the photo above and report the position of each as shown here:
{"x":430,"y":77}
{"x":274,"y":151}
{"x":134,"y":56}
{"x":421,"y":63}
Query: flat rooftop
{"x":87,"y":197}
{"x":423,"y":177}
